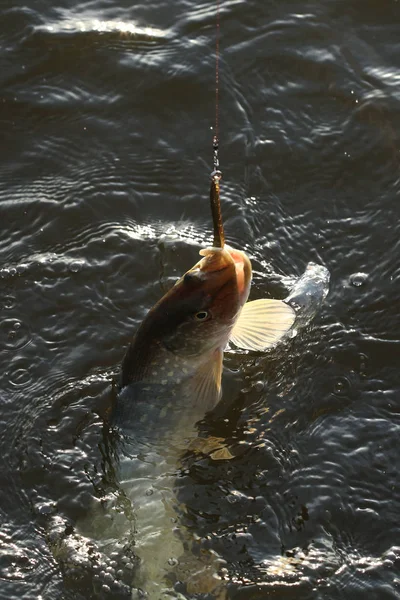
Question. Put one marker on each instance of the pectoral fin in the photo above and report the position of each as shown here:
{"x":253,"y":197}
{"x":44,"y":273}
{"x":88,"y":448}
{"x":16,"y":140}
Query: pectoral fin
{"x":205,"y":387}
{"x":261,"y":324}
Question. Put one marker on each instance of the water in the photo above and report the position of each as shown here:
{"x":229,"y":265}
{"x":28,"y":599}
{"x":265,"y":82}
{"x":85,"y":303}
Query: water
{"x":106,"y":110}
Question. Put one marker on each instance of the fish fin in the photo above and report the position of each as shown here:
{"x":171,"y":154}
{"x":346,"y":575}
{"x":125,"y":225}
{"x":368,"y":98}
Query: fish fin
{"x":214,"y":447}
{"x":262,"y":323}
{"x":205,"y":388}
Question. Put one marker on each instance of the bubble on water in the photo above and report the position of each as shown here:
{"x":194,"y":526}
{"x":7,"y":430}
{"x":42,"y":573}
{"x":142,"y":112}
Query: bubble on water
{"x":108,"y":578}
{"x":358,"y":279}
{"x":258,"y":386}
{"x":8,"y":302}
{"x":259,"y":476}
{"x":8,"y":272}
{"x":273,"y":245}
{"x":22,"y":268}
{"x":341,"y":386}
{"x":76,"y":266}
{"x":45,"y":508}
{"x":149,"y":492}
{"x":232,"y":499}
{"x":80,"y":558}
{"x":363,"y":363}
{"x":172,"y":562}
{"x":15,"y":563}
{"x":14,"y":334}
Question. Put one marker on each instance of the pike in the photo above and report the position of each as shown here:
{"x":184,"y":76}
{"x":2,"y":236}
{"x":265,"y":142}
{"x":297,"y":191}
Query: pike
{"x":170,"y":378}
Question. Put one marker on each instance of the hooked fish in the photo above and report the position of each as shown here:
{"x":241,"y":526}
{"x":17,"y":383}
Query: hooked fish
{"x":171,"y":377}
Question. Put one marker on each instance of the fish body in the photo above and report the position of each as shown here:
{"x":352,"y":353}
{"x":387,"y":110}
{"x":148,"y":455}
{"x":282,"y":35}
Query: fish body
{"x":171,"y":377}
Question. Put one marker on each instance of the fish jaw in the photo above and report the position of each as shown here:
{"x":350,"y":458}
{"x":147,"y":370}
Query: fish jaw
{"x":241,"y":262}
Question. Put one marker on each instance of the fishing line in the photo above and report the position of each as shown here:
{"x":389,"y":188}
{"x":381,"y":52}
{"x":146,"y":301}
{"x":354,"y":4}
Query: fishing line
{"x":216,"y":175}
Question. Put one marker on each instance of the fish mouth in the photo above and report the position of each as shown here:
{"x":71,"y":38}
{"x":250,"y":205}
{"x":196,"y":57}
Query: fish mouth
{"x":236,"y":262}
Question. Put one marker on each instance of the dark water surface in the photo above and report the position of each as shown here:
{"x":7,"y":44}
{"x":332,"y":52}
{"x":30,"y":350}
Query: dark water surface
{"x":105,"y":116}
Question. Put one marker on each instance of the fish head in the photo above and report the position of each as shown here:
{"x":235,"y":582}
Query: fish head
{"x":202,"y":307}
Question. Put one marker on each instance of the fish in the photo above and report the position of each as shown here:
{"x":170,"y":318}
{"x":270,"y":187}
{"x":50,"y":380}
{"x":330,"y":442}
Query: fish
{"x":170,"y":378}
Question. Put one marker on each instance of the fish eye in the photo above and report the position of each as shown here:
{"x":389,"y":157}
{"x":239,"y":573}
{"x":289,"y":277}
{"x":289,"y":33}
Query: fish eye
{"x":202,"y":315}
{"x":191,"y":277}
